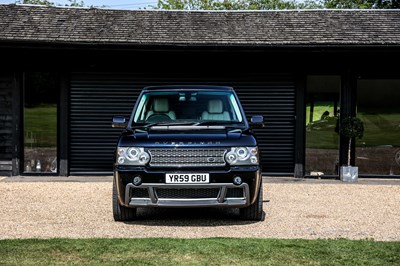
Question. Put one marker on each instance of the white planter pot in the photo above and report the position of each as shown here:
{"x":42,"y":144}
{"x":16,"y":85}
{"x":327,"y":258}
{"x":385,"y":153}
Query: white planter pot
{"x":349,"y":173}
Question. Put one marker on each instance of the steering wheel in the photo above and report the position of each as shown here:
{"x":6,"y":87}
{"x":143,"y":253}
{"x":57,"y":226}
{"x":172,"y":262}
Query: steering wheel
{"x":154,"y":118}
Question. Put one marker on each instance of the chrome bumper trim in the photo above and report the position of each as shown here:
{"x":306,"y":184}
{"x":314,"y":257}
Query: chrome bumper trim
{"x":220,"y":201}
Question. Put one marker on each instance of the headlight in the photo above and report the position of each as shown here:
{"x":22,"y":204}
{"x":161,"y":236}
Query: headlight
{"x":132,"y":156}
{"x":242,"y":156}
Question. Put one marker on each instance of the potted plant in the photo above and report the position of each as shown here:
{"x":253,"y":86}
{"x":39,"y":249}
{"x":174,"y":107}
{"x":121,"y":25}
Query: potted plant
{"x":350,"y":127}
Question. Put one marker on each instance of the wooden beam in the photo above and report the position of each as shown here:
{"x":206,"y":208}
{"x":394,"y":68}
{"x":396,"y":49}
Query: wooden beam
{"x":63,"y":122}
{"x":300,"y":123}
{"x":17,"y":136}
{"x":347,"y":108}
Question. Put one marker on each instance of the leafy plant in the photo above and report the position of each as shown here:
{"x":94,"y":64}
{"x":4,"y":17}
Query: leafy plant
{"x":351,"y":127}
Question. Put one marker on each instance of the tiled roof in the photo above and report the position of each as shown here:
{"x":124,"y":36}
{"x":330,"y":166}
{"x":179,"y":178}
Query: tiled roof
{"x":222,"y":28}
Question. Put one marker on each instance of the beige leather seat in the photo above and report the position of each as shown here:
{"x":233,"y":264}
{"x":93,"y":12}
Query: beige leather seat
{"x":161,"y":107}
{"x":215,"y":111}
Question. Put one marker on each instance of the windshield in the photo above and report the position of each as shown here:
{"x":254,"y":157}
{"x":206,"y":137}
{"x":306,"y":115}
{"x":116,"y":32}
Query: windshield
{"x":219,"y":107}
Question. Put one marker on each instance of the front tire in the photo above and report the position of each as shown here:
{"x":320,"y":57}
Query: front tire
{"x":254,"y":212}
{"x":121,"y":213}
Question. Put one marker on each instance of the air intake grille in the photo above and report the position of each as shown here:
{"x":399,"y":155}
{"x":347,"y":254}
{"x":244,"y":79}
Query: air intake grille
{"x":202,"y":193}
{"x":235,"y":193}
{"x":187,"y":157}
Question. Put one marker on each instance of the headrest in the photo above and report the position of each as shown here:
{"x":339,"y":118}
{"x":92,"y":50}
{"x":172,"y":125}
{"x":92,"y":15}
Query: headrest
{"x":215,"y":107}
{"x":160,"y":105}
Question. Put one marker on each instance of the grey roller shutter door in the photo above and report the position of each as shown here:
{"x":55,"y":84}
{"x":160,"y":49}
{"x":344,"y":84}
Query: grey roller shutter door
{"x":96,"y":98}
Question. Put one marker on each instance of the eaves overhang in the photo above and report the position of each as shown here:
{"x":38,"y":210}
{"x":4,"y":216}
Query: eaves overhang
{"x":76,"y":45}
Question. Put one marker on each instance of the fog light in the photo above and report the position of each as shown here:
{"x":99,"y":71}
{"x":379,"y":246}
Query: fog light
{"x":237,"y":180}
{"x":137,"y":181}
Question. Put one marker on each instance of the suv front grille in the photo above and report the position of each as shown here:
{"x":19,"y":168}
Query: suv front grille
{"x":193,"y":193}
{"x":187,"y":157}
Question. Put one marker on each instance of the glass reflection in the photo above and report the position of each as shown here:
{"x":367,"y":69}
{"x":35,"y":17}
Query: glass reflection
{"x":322,"y":113}
{"x":378,"y":152}
{"x":40,"y":123}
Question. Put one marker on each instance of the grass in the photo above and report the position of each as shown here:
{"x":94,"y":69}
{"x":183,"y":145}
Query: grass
{"x":214,"y":251}
{"x":380,"y":129}
{"x":41,"y":125}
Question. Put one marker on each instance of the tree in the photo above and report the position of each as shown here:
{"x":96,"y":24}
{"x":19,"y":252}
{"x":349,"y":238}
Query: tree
{"x":35,"y":2}
{"x":199,"y":4}
{"x":281,"y":4}
{"x":48,"y":3}
{"x":75,"y":3}
{"x":351,"y":127}
{"x":235,"y":4}
{"x":273,"y":4}
{"x":361,"y":4}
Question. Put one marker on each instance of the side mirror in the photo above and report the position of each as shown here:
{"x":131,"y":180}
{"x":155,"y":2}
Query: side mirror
{"x":118,"y":122}
{"x":257,"y":121}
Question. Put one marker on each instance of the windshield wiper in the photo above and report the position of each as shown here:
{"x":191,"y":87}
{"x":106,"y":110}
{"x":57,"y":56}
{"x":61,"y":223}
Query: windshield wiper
{"x":145,"y":126}
{"x":177,"y":124}
{"x":220,"y":122}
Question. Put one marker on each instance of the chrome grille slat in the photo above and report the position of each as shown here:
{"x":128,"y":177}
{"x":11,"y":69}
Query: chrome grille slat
{"x":181,"y":157}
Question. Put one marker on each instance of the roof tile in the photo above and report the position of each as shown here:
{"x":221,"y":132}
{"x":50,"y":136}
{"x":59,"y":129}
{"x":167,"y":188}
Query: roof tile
{"x":296,"y":27}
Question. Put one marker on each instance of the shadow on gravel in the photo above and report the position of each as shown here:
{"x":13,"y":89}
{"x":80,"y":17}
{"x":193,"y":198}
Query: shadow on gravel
{"x":189,"y":217}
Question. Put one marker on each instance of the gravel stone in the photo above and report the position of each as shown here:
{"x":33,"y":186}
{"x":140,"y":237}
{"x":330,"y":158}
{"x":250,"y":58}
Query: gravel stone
{"x":293,"y":210}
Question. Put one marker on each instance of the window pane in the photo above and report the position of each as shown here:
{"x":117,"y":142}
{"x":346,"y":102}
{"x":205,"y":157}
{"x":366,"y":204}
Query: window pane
{"x":378,"y":152}
{"x":40,"y":123}
{"x":322,"y":113}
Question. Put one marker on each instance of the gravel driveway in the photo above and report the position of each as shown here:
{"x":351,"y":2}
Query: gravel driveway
{"x":306,"y":210}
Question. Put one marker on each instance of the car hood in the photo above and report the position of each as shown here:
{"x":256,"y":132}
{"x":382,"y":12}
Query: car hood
{"x":187,"y":139}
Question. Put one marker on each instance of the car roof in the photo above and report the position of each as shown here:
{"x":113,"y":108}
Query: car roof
{"x":188,"y":87}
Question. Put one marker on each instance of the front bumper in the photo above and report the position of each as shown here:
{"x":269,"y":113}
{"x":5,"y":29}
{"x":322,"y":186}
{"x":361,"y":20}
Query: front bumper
{"x":155,"y":199}
{"x":220,"y":192}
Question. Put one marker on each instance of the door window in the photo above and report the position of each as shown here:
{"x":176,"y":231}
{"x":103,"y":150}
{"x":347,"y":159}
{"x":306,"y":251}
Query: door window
{"x":40,"y":123}
{"x":322,"y":113}
{"x":378,"y":152}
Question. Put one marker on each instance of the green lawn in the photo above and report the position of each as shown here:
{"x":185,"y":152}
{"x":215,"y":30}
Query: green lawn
{"x":214,"y":251}
{"x":41,"y":124}
{"x":381,"y":129}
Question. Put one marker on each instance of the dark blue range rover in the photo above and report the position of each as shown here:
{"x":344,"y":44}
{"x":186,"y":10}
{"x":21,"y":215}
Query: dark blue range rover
{"x":187,"y":146}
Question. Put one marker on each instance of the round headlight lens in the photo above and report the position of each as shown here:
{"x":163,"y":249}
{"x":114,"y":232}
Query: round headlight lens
{"x":144,"y":158}
{"x":231,"y":158}
{"x":253,"y":151}
{"x":132,"y":154}
{"x":242,"y":153}
{"x":121,"y":151}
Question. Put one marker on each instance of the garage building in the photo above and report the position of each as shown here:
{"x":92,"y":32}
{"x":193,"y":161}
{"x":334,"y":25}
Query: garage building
{"x":65,"y":72}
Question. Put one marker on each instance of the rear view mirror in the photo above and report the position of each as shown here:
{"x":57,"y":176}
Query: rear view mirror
{"x":257,"y":121}
{"x":118,"y":122}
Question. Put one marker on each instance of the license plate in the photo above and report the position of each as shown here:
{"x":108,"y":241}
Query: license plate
{"x":187,"y":178}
